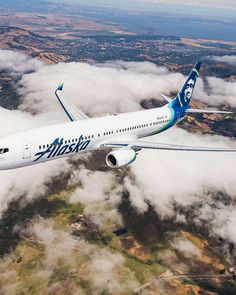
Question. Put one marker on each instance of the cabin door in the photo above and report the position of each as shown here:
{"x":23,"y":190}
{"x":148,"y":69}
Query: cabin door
{"x":26,"y":149}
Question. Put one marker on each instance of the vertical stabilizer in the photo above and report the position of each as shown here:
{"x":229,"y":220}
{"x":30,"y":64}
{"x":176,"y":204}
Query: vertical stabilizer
{"x":185,"y":95}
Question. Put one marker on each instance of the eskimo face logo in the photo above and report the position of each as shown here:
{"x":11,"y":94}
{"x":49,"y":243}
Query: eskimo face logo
{"x":188,"y":90}
{"x":57,"y":148}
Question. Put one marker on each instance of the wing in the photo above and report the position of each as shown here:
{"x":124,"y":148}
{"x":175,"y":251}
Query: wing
{"x":139,"y":145}
{"x":73,"y":113}
{"x":206,"y":111}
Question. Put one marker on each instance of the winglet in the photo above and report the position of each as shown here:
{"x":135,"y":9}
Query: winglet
{"x":71,"y":111}
{"x":60,"y":86}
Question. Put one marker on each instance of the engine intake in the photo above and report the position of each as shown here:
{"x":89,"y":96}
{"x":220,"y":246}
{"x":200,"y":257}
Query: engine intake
{"x":120,"y":158}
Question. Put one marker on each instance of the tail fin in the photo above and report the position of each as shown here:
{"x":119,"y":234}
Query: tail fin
{"x":185,"y":95}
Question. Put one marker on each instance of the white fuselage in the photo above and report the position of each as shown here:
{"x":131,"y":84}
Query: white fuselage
{"x":51,"y":142}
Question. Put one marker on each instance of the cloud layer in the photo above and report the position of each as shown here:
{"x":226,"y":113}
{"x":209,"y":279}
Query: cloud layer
{"x":112,"y":87}
{"x":17,"y":63}
{"x":229,"y":59}
{"x":169,"y":180}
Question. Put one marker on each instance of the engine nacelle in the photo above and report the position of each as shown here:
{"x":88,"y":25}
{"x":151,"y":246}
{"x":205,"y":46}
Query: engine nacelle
{"x":120,"y":158}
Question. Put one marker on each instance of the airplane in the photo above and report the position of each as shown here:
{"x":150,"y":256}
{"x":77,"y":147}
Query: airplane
{"x":119,"y":132}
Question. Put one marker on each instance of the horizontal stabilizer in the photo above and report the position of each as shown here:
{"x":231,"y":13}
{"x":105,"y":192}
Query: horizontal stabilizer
{"x":207,"y":111}
{"x":167,"y":99}
{"x":72,"y":112}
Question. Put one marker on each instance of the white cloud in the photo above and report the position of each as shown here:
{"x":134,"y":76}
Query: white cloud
{"x":59,"y":244}
{"x":186,"y":247}
{"x":18,"y":63}
{"x":229,"y":59}
{"x":97,"y":89}
{"x":136,"y":195}
{"x":220,"y":218}
{"x":106,"y":272}
{"x":101,"y":267}
{"x":30,"y":182}
{"x":220,"y":92}
{"x":111,"y":88}
{"x":100,"y":194}
{"x":183,"y":177}
{"x":94,"y":186}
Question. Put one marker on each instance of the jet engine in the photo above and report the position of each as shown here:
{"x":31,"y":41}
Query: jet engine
{"x":120,"y":158}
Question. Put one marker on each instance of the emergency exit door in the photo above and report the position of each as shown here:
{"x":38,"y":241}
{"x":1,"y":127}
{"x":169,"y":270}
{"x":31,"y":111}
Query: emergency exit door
{"x":26,"y":149}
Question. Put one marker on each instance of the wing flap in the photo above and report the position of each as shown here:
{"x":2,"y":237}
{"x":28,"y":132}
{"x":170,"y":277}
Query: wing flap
{"x":206,"y":111}
{"x":72,"y":112}
{"x":139,"y":145}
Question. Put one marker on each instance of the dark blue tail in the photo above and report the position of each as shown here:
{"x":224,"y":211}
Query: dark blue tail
{"x":185,"y":95}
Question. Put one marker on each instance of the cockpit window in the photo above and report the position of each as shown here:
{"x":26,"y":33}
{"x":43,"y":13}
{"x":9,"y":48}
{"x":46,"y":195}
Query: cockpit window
{"x":4,"y":151}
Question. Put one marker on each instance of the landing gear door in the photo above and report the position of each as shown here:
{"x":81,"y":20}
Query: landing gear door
{"x":26,"y":149}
